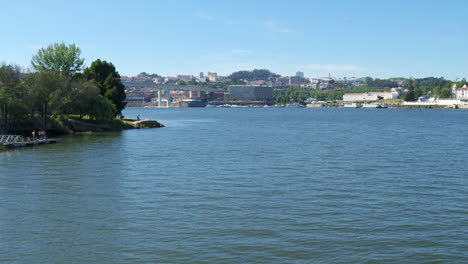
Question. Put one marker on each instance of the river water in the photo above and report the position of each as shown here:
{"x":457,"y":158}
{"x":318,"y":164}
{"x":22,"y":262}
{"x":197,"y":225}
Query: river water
{"x":244,"y":185}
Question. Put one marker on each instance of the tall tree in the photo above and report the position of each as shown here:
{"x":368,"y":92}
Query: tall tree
{"x":14,"y":98}
{"x":410,"y":95}
{"x":59,"y":57}
{"x":10,"y":75}
{"x":88,"y":102}
{"x":47,"y":88}
{"x":109,"y":83}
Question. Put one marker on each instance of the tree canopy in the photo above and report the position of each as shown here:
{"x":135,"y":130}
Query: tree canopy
{"x":10,"y":75}
{"x":108,"y":81}
{"x":380,"y":83}
{"x":152,"y":75}
{"x":410,"y":94}
{"x":59,"y":86}
{"x":59,"y":57}
{"x":257,"y":74}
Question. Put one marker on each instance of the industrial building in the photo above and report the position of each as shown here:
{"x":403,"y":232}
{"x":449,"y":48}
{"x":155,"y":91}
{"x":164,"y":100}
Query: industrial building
{"x":251,"y":93}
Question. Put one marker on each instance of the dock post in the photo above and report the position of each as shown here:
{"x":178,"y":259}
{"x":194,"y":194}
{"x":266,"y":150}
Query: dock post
{"x":159,"y":98}
{"x":45,"y":120}
{"x":5,"y":119}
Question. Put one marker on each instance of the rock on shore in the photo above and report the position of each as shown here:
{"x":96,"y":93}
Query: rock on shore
{"x":115,"y":125}
{"x":147,"y":123}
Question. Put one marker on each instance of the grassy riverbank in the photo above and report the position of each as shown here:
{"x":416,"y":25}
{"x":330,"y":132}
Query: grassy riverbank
{"x":118,"y":124}
{"x":70,"y":125}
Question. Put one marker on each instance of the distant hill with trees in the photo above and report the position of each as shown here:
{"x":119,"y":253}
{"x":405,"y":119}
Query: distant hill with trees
{"x":257,"y":74}
{"x":379,"y":83}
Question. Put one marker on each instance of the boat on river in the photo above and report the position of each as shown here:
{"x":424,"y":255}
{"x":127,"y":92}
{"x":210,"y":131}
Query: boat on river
{"x":352,"y":105}
{"x":372,"y":105}
{"x":295,"y":106}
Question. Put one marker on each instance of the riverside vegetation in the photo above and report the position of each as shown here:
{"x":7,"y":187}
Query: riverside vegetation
{"x":62,"y":93}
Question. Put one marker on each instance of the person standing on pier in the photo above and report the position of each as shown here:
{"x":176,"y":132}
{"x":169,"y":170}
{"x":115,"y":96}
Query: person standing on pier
{"x":33,"y":135}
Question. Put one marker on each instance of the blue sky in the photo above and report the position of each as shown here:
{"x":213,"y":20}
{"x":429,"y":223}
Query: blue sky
{"x":344,"y":38}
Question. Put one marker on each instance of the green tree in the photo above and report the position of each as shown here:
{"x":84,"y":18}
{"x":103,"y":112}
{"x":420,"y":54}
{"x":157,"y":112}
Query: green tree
{"x":462,"y":82}
{"x":193,"y":81}
{"x":180,"y":82}
{"x":103,"y":109}
{"x":59,"y":57}
{"x":48,"y":88}
{"x":418,"y":92}
{"x":89,"y":102}
{"x":410,"y":95}
{"x":444,"y":92}
{"x":257,"y":74}
{"x":109,"y":83}
{"x":10,"y":75}
{"x":14,"y":96}
{"x":379,"y":83}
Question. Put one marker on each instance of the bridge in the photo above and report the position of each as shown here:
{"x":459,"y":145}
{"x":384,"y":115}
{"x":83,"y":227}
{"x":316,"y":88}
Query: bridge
{"x":168,"y":88}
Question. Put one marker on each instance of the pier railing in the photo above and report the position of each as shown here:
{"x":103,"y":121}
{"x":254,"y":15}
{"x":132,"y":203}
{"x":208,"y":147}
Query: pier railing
{"x":11,"y":139}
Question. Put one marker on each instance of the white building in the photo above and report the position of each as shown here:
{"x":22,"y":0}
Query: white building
{"x":170,"y":79}
{"x":399,"y":90}
{"x":323,"y":85}
{"x":259,"y":82}
{"x":185,"y":78}
{"x":296,"y":80}
{"x":370,"y":96}
{"x":212,"y":76}
{"x":460,"y":93}
{"x":314,"y":80}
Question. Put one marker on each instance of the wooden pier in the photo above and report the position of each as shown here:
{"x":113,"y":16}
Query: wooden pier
{"x":16,"y":141}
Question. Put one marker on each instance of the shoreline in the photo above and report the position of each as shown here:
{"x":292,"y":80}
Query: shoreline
{"x":74,"y":126}
{"x":436,"y":107}
{"x":78,"y":126}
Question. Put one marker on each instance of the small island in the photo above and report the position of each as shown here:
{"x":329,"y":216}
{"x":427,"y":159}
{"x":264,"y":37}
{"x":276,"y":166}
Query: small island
{"x":62,"y":96}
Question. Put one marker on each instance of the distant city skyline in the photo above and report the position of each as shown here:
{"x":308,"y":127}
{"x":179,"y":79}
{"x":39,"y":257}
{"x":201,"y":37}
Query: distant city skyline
{"x":340,"y":38}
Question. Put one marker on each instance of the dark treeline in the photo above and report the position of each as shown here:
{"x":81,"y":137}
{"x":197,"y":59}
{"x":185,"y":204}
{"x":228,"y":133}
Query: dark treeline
{"x":380,"y":83}
{"x":432,"y":86}
{"x":257,"y":74}
{"x":60,"y":87}
{"x":152,"y":75}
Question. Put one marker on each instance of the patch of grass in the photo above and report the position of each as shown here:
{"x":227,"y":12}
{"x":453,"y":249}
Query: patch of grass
{"x":391,"y":101}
